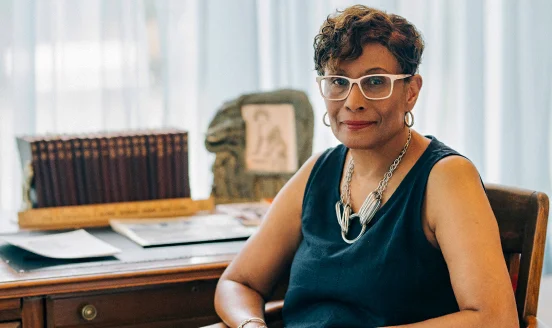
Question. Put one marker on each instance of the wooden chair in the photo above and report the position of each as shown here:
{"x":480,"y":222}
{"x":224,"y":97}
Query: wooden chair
{"x":522,"y":217}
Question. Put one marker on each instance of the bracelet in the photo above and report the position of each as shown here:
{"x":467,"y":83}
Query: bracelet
{"x":246,"y":321}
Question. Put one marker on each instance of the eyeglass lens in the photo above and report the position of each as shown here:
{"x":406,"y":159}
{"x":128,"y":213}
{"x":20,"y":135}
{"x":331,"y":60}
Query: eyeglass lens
{"x":375,"y":86}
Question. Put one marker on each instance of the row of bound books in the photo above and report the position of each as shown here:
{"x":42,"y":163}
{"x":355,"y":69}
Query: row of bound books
{"x":106,"y":168}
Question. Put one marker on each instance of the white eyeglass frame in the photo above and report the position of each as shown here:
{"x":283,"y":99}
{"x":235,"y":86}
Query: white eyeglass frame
{"x":392,"y":77}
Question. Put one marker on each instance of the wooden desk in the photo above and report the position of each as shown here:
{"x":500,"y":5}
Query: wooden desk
{"x":155,"y":293}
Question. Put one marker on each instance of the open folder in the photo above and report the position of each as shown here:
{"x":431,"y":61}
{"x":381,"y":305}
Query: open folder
{"x":182,"y":230}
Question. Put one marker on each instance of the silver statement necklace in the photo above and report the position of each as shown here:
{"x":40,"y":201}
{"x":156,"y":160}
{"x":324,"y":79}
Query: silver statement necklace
{"x":371,"y":204}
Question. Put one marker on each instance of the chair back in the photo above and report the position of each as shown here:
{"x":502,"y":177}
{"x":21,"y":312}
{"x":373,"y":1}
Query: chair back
{"x":522,"y":217}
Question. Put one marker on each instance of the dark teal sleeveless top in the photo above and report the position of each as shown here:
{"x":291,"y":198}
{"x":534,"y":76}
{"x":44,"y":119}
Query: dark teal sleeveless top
{"x":391,"y":276}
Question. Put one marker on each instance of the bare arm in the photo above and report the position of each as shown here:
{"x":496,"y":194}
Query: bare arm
{"x":466,"y":230}
{"x":249,"y":279}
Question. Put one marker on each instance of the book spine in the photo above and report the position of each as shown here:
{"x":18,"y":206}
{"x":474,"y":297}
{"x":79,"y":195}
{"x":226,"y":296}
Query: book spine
{"x":39,"y":186}
{"x":45,"y":168}
{"x":80,"y":177}
{"x":113,"y":172}
{"x":54,"y":172}
{"x":169,"y":165}
{"x":177,"y":163}
{"x":62,"y":172}
{"x":88,"y":171}
{"x":161,"y":167}
{"x":143,"y":168}
{"x":151,"y":146}
{"x":96,"y":173}
{"x":128,"y":171}
{"x":135,"y":168}
{"x":106,"y":172}
{"x":70,"y":173}
{"x":122,"y":168}
{"x":185,"y":165}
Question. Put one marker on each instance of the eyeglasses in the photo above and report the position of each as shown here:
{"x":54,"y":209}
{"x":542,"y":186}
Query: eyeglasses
{"x":373,"y":87}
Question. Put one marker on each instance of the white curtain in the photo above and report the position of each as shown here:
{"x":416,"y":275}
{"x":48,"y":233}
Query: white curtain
{"x":71,"y":66}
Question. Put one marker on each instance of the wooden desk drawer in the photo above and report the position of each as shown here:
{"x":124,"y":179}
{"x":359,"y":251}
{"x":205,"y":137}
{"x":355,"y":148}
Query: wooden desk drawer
{"x":10,"y":309}
{"x":14,"y":324}
{"x":178,"y":305}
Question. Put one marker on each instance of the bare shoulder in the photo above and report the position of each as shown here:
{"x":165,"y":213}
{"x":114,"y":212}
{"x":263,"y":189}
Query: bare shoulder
{"x":453,"y":167}
{"x":454,"y":180}
{"x":459,"y":214}
{"x":453,"y":174}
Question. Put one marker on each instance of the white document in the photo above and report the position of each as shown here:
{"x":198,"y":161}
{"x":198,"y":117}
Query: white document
{"x":66,"y":245}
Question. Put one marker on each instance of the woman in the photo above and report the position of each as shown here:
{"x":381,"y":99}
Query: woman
{"x":391,"y":228}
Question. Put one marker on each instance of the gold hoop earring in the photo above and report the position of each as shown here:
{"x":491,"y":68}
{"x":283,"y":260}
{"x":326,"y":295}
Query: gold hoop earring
{"x":324,"y":119}
{"x":409,"y":119}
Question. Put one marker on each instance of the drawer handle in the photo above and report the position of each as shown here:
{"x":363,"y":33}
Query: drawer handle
{"x":89,"y":312}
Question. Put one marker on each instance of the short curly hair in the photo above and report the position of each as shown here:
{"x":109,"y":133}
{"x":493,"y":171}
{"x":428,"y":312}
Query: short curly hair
{"x":343,"y":35}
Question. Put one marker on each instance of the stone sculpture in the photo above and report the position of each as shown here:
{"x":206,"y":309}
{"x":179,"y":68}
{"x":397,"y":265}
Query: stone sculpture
{"x":226,"y":137}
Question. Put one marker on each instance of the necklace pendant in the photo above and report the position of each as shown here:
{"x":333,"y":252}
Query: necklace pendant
{"x":369,"y":208}
{"x":365,"y":215}
{"x":370,"y":205}
{"x":343,"y":217}
{"x":351,"y":241}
